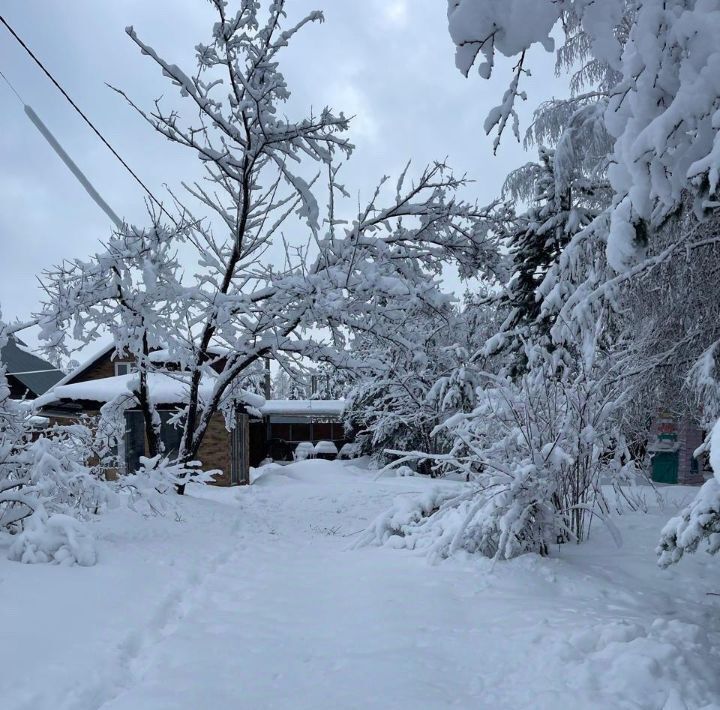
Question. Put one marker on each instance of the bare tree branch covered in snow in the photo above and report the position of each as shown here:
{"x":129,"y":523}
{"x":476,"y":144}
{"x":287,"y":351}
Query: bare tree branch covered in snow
{"x":409,"y":386}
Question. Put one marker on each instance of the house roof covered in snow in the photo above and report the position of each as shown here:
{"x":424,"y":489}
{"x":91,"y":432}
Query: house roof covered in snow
{"x":164,"y":389}
{"x":34,"y":373}
{"x":159,"y":356}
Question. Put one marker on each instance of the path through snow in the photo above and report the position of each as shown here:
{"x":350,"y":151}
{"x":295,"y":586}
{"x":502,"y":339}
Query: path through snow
{"x":262,"y":605}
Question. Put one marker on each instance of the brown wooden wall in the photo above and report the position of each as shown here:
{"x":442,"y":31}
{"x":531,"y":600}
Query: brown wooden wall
{"x":214,"y":451}
{"x":103,"y":367}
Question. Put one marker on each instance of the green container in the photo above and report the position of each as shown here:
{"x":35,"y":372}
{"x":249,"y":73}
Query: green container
{"x":665,"y":467}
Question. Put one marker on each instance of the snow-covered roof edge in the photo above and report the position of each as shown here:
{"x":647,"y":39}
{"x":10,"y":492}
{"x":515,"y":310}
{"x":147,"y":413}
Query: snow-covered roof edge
{"x":334,"y":407}
{"x":165,"y":388}
{"x":84,"y":365}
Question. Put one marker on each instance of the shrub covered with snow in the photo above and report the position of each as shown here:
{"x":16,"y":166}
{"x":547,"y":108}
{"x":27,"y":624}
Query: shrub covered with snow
{"x":406,"y":521}
{"x":45,"y":488}
{"x":147,"y":488}
{"x":534,"y":451}
{"x":56,"y":538}
{"x":48,"y":493}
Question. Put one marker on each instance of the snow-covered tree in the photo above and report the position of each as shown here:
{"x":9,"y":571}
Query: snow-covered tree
{"x":559,"y":210}
{"x":263,"y":171}
{"x":649,"y":68}
{"x":390,"y":407}
{"x":649,"y":61}
{"x":412,"y":383}
{"x":282,"y":385}
{"x":124,"y":290}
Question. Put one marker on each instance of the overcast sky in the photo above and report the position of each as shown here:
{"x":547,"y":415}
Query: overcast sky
{"x":389,"y":62}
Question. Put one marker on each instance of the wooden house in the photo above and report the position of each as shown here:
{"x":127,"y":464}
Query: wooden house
{"x":263,"y":429}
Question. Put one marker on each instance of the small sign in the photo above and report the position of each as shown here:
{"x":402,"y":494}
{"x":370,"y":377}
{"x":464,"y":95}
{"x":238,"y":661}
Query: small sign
{"x":666,"y":436}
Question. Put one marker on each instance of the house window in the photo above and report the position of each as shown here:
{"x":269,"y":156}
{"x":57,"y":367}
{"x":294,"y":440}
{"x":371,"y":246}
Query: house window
{"x":122,"y":368}
{"x":134,"y":444}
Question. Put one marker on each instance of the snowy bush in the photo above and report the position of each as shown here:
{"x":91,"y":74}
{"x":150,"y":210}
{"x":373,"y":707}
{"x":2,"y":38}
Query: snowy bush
{"x":56,"y":538}
{"x":534,"y":452}
{"x":47,"y":493}
{"x":405,"y":522}
{"x":59,"y":475}
{"x":45,"y":488}
{"x":148,"y":486}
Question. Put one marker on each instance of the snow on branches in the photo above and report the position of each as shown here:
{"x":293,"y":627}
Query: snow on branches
{"x":535,"y":452}
{"x":699,"y":521}
{"x":240,"y":303}
{"x":409,"y":384}
{"x":654,"y":64}
{"x":642,"y":115}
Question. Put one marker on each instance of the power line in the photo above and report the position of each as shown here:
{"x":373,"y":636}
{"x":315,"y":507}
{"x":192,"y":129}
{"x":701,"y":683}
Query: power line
{"x":84,"y":117}
{"x":72,"y":167}
{"x":69,"y":163}
{"x":12,"y":88}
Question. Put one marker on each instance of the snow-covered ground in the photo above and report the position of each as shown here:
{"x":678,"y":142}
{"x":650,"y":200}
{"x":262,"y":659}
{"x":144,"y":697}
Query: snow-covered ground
{"x":253,"y":598}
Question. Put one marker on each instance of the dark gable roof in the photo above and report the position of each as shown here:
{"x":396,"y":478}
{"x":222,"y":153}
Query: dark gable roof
{"x":34,"y":373}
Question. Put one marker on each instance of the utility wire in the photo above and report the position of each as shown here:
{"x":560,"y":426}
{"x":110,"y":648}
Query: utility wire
{"x":70,"y":164}
{"x":12,"y":88}
{"x":84,"y":117}
{"x":94,"y":194}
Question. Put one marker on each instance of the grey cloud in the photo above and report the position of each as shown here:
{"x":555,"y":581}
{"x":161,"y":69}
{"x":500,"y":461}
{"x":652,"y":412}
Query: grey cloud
{"x":393,"y":64}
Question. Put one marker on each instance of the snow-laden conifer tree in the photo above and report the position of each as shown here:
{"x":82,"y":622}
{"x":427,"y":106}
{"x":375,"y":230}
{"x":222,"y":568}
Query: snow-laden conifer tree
{"x":560,"y":208}
{"x":240,"y":303}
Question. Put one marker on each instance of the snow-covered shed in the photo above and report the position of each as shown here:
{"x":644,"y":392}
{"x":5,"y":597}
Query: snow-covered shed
{"x":287,"y":422}
{"x":103,"y":378}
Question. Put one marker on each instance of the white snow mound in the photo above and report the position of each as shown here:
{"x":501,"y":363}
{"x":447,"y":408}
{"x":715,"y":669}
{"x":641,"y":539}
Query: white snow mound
{"x":58,"y":539}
